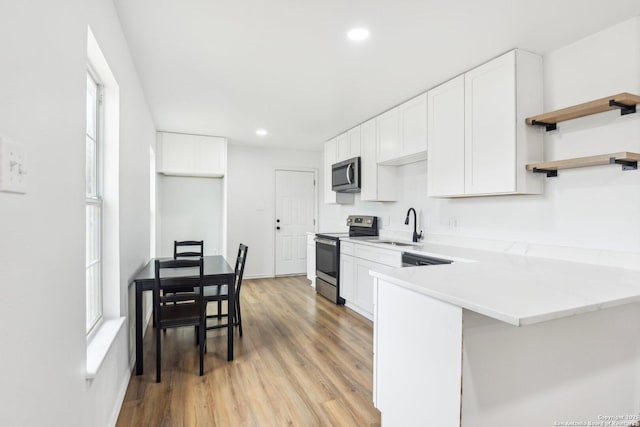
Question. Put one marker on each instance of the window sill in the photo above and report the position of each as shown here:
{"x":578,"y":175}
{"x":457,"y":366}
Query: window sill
{"x":100,"y":343}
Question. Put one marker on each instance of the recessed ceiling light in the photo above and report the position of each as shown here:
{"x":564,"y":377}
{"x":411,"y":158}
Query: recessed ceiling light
{"x":358,"y":34}
{"x":261,"y":132}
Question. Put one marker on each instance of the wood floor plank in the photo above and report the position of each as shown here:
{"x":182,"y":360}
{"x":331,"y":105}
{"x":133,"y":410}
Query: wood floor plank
{"x":302,"y":361}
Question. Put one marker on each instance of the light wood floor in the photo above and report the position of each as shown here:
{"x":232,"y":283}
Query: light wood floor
{"x":302,"y":361}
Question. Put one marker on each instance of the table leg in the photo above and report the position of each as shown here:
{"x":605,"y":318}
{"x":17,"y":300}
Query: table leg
{"x":139,"y":361}
{"x":231,"y":304}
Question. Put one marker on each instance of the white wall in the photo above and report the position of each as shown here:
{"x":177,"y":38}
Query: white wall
{"x":42,"y":236}
{"x":251,"y":201}
{"x":190,"y":209}
{"x":137,"y":134}
{"x":594,"y":207}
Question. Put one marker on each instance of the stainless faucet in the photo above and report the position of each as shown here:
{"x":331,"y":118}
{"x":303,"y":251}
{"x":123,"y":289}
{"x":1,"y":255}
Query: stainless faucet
{"x":416,"y":236}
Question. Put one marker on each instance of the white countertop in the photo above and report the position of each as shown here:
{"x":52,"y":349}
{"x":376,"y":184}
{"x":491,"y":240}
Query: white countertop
{"x":516,"y":289}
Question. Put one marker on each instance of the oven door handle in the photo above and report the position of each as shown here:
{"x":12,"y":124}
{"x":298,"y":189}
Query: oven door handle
{"x":349,"y":173}
{"x":326,"y":242}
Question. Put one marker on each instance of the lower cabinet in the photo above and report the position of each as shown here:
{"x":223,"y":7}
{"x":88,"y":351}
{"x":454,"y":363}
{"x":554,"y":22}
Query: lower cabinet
{"x":347,"y":278}
{"x":311,"y":259}
{"x":417,"y":372}
{"x":356,"y":284}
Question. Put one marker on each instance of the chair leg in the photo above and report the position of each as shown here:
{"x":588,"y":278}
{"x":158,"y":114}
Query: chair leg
{"x":158,"y":350}
{"x":239,"y":315}
{"x":219,"y":309}
{"x":202,"y":338}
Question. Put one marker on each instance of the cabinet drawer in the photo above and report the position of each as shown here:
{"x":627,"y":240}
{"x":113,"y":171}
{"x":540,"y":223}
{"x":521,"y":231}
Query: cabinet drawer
{"x":381,"y":256}
{"x":346,"y":248}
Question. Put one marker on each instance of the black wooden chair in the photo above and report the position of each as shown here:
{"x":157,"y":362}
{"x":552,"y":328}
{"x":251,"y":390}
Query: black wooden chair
{"x":221,"y":293}
{"x":179,"y":253}
{"x":190,"y":307}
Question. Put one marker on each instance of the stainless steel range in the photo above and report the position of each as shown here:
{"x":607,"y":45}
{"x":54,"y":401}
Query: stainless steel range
{"x":328,"y":254}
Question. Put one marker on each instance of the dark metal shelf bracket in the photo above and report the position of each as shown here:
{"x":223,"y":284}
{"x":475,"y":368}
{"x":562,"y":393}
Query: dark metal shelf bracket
{"x":548,"y":126}
{"x":551,"y":173}
{"x":624,"y":108}
{"x":627,"y":165}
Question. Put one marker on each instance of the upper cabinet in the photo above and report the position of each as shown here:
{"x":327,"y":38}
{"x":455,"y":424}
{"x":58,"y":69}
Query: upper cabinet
{"x":378,"y":181}
{"x":402,"y":133}
{"x":349,"y":144}
{"x":330,"y":157}
{"x":388,"y":130}
{"x":191,"y":155}
{"x":445,"y":131}
{"x":479,"y":143}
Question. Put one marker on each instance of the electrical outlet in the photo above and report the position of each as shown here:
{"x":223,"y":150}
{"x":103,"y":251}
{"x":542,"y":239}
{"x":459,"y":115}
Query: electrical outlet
{"x":13,"y":167}
{"x":453,"y":223}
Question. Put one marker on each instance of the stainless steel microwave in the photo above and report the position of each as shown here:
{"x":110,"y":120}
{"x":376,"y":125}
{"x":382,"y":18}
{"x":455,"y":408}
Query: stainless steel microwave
{"x":345,"y":176}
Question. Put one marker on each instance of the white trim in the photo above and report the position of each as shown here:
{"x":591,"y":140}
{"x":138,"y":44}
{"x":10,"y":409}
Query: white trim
{"x":124,"y":385}
{"x":100,"y":344}
{"x":275,"y":203}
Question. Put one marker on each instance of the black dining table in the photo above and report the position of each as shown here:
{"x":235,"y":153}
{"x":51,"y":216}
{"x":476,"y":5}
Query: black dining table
{"x":217,"y":271}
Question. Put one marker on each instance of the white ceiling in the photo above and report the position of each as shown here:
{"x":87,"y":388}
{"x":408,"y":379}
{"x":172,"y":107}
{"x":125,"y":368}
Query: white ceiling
{"x":228,"y":67}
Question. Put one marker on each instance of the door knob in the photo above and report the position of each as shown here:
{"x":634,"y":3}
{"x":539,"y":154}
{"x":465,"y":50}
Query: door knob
{"x":277,"y":220}
{"x":278,"y":228}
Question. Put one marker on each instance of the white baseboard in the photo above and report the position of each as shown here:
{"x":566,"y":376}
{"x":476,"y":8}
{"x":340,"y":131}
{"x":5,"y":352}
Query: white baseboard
{"x":120,"y":400}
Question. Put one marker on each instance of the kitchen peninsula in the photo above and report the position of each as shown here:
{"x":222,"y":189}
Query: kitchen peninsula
{"x":497,"y":339}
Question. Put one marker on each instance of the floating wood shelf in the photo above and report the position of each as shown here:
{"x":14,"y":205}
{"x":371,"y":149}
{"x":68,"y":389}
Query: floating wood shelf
{"x":628,"y":161}
{"x":626,"y":102}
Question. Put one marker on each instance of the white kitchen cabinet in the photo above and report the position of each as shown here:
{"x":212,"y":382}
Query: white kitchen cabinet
{"x":402,"y":133}
{"x":347,"y":284}
{"x":356,"y":284}
{"x":413,"y":127}
{"x":498,"y":144}
{"x":378,"y":181}
{"x":311,"y":259}
{"x":363,"y":283}
{"x":445,"y":130}
{"x":330,"y":157}
{"x":349,"y":144}
{"x":191,"y":155}
{"x":388,"y":133}
{"x":342,"y":147}
{"x":417,"y":358}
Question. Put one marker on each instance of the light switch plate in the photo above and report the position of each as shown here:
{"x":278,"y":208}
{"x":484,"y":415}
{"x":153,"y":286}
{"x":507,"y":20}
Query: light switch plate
{"x":13,"y":167}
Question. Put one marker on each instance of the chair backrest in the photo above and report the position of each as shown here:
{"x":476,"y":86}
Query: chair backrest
{"x":178,"y":253}
{"x":182,"y":273}
{"x":240,"y":262}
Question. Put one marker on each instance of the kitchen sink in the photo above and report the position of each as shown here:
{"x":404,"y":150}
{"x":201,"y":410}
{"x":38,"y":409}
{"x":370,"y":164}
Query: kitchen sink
{"x":390,"y":242}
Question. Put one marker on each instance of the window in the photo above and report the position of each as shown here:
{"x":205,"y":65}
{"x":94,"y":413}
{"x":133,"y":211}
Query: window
{"x":93,"y":194}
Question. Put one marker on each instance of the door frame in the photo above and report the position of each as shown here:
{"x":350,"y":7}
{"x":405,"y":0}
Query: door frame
{"x":275,"y":196}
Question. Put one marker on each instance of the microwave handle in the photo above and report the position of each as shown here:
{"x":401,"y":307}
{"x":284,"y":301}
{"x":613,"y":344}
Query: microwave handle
{"x":349,"y":173}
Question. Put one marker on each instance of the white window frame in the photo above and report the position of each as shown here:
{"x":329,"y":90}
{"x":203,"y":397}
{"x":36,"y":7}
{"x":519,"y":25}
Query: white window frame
{"x":96,"y":201}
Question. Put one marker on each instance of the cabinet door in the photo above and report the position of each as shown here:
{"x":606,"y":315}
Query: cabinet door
{"x":364,"y":284}
{"x":311,"y":262}
{"x":368,"y":161}
{"x":389,"y":143}
{"x":343,"y":147}
{"x":418,"y":358}
{"x":178,"y":153}
{"x":330,"y":156}
{"x":347,"y":277}
{"x":211,"y":156}
{"x":354,"y":138}
{"x":413,"y":121}
{"x":445,"y":164}
{"x":490,"y":127}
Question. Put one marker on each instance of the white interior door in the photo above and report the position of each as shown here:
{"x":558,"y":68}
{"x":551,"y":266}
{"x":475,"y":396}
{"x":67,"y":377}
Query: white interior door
{"x":295,"y":216}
